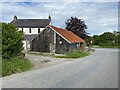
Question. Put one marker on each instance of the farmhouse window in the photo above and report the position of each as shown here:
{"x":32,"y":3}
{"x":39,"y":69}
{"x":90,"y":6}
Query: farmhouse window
{"x":38,"y":30}
{"x":29,"y":30}
{"x":22,"y":30}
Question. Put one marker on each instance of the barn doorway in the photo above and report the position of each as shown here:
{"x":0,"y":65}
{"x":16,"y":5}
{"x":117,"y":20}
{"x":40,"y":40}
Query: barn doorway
{"x":52,"y":48}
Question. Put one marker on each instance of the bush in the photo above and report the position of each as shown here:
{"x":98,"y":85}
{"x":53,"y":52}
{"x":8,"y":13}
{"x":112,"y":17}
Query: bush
{"x":75,"y":54}
{"x":109,"y":45}
{"x":15,"y":65}
{"x":11,"y":41}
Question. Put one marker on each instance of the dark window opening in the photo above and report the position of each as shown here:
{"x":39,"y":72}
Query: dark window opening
{"x":46,"y":46}
{"x":22,"y":30}
{"x":29,"y":30}
{"x":38,"y":30}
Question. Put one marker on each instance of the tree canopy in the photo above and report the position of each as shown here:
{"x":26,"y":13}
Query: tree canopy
{"x":106,"y":39}
{"x":11,"y":41}
{"x":77,"y":26}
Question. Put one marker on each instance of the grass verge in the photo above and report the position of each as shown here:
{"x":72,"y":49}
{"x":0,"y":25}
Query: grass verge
{"x":75,"y":54}
{"x":107,"y":46}
{"x":15,"y":65}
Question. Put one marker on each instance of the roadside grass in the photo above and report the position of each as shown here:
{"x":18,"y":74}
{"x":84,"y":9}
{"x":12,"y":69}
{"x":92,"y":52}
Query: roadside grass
{"x":116,"y":46}
{"x":15,"y":65}
{"x":75,"y":54}
{"x":109,"y":46}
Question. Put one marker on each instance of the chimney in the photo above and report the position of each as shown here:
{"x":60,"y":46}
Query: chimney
{"x":49,"y":17}
{"x":15,"y":17}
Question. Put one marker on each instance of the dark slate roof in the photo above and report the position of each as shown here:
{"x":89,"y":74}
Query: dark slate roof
{"x":31,"y":23}
{"x":30,"y":37}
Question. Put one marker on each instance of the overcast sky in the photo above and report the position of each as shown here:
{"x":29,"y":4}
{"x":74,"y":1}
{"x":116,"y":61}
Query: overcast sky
{"x":99,"y":16}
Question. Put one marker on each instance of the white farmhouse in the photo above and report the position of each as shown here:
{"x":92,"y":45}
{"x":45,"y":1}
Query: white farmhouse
{"x":31,"y":28}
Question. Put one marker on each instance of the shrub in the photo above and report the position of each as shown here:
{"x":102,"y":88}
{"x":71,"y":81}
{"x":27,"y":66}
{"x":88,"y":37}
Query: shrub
{"x":11,"y":41}
{"x":15,"y":65}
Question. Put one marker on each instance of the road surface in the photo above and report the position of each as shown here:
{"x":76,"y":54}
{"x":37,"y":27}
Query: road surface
{"x":99,"y":70}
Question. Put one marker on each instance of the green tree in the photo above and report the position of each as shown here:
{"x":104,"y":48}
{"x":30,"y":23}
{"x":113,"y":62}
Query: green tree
{"x":105,"y":39}
{"x":117,"y":40}
{"x":0,"y":37}
{"x":96,"y":40}
{"x":77,"y":26}
{"x":11,"y":41}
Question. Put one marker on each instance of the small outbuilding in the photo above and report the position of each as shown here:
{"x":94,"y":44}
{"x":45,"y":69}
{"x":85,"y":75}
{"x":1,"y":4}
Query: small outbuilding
{"x":56,"y":40}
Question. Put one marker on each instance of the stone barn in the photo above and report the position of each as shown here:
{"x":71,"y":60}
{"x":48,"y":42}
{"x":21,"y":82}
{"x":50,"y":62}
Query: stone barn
{"x":56,"y":40}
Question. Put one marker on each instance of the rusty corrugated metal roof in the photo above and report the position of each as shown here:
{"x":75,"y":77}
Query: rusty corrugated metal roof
{"x":68,"y":35}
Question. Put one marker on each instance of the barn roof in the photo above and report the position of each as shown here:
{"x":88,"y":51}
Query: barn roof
{"x":67,"y":35}
{"x":30,"y":23}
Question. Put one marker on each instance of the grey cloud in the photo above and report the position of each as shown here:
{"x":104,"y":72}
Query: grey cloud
{"x":99,"y":17}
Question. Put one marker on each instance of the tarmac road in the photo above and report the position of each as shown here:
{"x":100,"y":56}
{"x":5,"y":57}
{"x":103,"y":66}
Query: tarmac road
{"x":99,"y":70}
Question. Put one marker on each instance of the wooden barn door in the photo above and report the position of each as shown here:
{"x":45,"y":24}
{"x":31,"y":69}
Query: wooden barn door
{"x":52,"y":48}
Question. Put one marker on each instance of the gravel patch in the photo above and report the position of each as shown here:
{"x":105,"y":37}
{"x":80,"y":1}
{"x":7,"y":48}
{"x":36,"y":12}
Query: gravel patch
{"x":40,"y":61}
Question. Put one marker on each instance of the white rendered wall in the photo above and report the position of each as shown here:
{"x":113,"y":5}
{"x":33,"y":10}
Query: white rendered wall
{"x":41,"y":29}
{"x":26,"y":45}
{"x":33,"y":30}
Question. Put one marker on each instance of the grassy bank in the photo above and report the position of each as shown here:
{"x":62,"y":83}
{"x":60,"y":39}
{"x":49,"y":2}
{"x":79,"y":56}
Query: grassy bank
{"x":107,"y":47}
{"x":75,"y":54}
{"x":15,"y":65}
